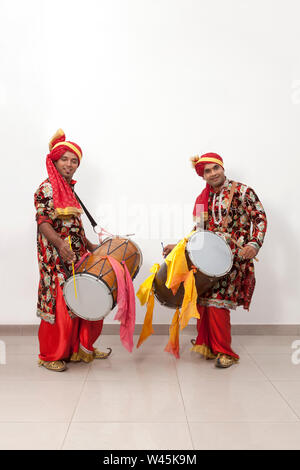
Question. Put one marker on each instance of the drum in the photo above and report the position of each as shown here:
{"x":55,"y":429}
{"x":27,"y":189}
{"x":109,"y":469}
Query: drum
{"x":96,"y":283}
{"x":212,"y":257}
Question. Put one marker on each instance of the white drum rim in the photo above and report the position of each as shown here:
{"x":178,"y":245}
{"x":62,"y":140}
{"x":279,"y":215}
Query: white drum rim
{"x":95,"y":279}
{"x":141,"y":257}
{"x":227,"y":247}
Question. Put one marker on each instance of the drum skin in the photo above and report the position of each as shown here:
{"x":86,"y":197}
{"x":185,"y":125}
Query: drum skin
{"x":165,"y":296}
{"x":122,"y":249}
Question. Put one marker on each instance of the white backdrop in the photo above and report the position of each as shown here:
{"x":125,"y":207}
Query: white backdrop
{"x":142,"y":85}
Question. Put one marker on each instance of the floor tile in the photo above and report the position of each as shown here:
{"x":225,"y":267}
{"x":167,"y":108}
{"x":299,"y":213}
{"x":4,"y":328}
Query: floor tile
{"x":25,"y":367}
{"x":38,"y":401}
{"x":235,"y":401}
{"x":135,"y":367}
{"x":21,"y":344}
{"x":267,"y":344}
{"x":148,"y":399}
{"x":154,"y":344}
{"x":195,"y":369}
{"x":290,"y":390}
{"x":32,"y":436}
{"x":277,"y":366}
{"x":245,"y":436}
{"x":130,"y":401}
{"x":124,"y":436}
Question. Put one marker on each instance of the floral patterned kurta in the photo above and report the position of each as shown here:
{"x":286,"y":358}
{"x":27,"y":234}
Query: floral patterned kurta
{"x":50,"y":268}
{"x":247,"y":224}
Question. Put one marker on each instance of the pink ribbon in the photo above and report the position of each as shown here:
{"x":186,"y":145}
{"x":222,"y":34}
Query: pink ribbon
{"x":81,"y":260}
{"x":126,"y":302}
{"x":102,"y":233}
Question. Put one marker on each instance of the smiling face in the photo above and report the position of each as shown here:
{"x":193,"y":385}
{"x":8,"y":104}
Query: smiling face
{"x":67,"y":165}
{"x":214,"y":175}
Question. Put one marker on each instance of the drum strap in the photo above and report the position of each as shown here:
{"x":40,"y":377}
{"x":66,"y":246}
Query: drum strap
{"x":91,"y":219}
{"x":234,"y":184}
{"x":94,"y":224}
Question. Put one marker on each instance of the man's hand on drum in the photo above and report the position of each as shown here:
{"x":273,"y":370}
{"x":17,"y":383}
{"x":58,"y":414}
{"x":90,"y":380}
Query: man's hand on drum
{"x":91,"y":246}
{"x":248,"y":252}
{"x":65,"y":252}
{"x":167,"y":249}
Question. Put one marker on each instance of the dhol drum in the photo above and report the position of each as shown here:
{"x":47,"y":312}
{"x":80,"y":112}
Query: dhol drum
{"x":212,"y":257}
{"x":96,"y":284}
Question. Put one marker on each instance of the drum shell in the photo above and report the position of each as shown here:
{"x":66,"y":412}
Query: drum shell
{"x":120,"y":249}
{"x":165,"y":296}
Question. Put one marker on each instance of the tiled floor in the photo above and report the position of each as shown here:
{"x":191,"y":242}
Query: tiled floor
{"x":149,"y":400}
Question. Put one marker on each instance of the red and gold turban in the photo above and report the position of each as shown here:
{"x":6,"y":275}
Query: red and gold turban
{"x":65,"y":203}
{"x":200,"y":162}
{"x":201,"y":204}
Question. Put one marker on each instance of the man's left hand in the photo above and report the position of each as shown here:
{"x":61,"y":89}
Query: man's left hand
{"x":91,"y":246}
{"x":248,"y":252}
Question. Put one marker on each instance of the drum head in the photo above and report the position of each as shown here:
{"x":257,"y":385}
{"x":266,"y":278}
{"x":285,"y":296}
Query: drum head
{"x":94,"y":299}
{"x":210,"y":253}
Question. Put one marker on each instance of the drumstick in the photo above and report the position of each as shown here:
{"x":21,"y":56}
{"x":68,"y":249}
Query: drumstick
{"x":240,"y":246}
{"x":69,"y":238}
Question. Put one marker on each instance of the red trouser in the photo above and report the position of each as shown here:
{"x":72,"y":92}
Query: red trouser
{"x":61,"y":340}
{"x":214,"y":330}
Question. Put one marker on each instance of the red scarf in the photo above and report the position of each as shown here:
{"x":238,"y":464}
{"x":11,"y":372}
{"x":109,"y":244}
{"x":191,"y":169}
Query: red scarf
{"x":201,"y":205}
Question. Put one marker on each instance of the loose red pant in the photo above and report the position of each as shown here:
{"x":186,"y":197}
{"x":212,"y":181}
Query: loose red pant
{"x":214,"y":330}
{"x":67,"y":335}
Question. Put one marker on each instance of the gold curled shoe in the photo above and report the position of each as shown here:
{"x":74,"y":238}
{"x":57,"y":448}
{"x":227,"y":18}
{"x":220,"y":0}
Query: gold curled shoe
{"x":203,"y":350}
{"x":56,"y":366}
{"x":101,"y":355}
{"x":223,"y":361}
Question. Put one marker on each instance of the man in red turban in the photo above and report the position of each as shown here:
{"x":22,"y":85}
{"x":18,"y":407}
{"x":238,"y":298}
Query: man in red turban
{"x":62,"y":335}
{"x":246,"y":226}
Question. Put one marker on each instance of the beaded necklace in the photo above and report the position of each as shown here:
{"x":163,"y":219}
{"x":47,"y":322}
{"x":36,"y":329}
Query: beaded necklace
{"x":217,"y":222}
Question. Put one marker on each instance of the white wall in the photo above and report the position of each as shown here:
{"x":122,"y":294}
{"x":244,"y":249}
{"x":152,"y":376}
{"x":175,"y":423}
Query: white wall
{"x":142,"y":85}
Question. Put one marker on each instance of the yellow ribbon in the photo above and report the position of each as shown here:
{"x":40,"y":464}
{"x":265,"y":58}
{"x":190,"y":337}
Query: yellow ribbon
{"x":147,"y":329}
{"x":173,"y":344}
{"x":177,"y":265}
{"x":189,"y":305}
{"x":145,"y":294}
{"x":144,"y":291}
